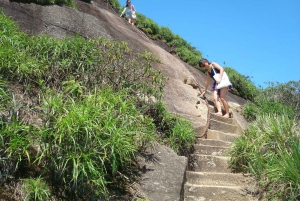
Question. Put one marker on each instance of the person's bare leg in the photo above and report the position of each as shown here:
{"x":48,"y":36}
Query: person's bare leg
{"x":223,"y":93}
{"x":217,"y":103}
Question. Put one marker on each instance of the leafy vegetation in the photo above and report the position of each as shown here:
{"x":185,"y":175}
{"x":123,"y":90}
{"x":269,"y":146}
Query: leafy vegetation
{"x":175,"y":131}
{"x":97,"y":111}
{"x":275,"y":99}
{"x":75,"y":113}
{"x":243,"y":86}
{"x":269,"y":148}
{"x":115,"y":4}
{"x":36,"y":189}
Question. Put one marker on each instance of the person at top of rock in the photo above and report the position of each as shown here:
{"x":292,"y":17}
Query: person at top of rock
{"x":129,"y":11}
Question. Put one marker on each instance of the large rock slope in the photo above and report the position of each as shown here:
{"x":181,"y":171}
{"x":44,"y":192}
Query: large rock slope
{"x":99,"y":19}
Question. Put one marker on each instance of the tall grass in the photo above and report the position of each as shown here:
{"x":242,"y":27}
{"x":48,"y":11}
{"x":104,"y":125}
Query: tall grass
{"x":269,"y":150}
{"x":175,"y":131}
{"x":41,"y":61}
{"x":5,"y":97}
{"x":285,"y":176}
{"x":266,"y":104}
{"x":88,"y":141}
{"x":92,"y":98}
{"x":36,"y":189}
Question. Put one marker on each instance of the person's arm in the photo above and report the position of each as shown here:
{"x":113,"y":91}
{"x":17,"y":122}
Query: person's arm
{"x":132,"y":8}
{"x":206,"y":84}
{"x":217,"y":66}
{"x":123,"y":12}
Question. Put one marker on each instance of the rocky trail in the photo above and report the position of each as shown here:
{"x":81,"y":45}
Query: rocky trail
{"x":209,"y":177}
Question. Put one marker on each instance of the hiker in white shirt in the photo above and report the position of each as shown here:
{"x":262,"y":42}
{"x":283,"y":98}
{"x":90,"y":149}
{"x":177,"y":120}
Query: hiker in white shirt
{"x":129,"y":11}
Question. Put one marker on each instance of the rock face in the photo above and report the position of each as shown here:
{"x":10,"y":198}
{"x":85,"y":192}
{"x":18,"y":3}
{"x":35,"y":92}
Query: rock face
{"x":162,"y":174}
{"x":163,"y":178}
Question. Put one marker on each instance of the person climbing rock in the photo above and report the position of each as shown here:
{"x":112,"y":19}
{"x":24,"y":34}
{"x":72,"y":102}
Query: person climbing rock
{"x":129,"y":11}
{"x":218,"y":94}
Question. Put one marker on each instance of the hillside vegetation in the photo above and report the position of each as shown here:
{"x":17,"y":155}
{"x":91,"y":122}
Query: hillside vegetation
{"x":75,"y":113}
{"x":270,"y":147}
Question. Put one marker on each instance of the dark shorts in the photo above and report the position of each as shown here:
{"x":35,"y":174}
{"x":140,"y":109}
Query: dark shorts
{"x":213,"y":87}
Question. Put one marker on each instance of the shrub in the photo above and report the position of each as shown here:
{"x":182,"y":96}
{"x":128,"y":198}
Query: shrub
{"x":115,"y":4}
{"x":273,"y":100}
{"x":148,"y":26}
{"x":166,"y":34}
{"x":250,"y":111}
{"x":179,"y":42}
{"x":242,"y":85}
{"x":184,"y":53}
{"x":287,"y":94}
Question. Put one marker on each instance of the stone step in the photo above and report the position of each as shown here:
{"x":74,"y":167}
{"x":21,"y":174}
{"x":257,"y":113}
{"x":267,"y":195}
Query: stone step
{"x":224,"y":127}
{"x":211,"y":102}
{"x":215,"y":193}
{"x":208,"y":163}
{"x":222,"y":119}
{"x":213,"y":109}
{"x":209,"y":150}
{"x":218,"y":179}
{"x":198,"y":128}
{"x":213,"y":142}
{"x":219,"y":135}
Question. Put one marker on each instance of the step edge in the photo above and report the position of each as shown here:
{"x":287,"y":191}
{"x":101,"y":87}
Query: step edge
{"x":211,"y":146}
{"x":216,"y":173}
{"x":236,"y":187}
{"x":221,"y":157}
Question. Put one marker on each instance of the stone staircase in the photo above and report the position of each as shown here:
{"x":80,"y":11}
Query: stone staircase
{"x":209,"y":177}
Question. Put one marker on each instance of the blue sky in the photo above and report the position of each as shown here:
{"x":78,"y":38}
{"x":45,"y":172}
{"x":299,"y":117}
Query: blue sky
{"x":258,"y":38}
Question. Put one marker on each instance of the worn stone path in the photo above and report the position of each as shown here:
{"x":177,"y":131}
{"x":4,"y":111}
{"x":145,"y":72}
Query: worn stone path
{"x":210,"y":178}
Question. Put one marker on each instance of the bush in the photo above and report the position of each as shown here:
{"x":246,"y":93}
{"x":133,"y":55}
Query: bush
{"x":250,"y":111}
{"x":166,"y":34}
{"x":274,"y":100}
{"x":242,"y":85}
{"x":287,"y":94}
{"x":147,"y":25}
{"x":115,"y":4}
